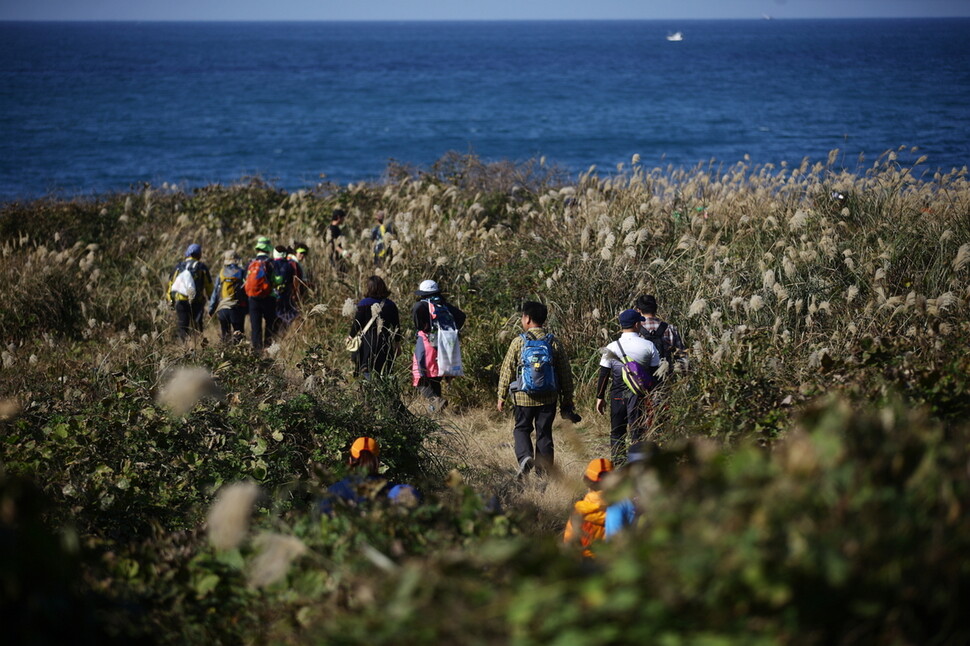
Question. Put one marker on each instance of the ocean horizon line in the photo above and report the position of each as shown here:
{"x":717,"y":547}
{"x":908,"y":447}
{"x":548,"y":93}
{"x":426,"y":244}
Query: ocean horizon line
{"x":396,"y":21}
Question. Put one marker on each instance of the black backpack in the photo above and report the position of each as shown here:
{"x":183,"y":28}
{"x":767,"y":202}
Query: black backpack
{"x":659,"y":341}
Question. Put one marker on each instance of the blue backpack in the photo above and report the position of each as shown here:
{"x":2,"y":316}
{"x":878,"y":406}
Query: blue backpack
{"x":537,"y":372}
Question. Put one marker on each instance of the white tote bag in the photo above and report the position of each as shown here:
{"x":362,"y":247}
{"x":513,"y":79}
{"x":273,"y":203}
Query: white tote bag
{"x":449,"y":354}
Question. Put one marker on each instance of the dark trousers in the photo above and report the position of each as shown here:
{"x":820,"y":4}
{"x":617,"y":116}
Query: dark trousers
{"x":627,"y":412}
{"x":540,"y":419}
{"x":430,"y":387}
{"x":285,"y":313}
{"x":188,"y":316}
{"x":232,"y":320}
{"x":261,"y":311}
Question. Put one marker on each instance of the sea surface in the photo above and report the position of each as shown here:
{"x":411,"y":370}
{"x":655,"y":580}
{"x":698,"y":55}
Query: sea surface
{"x":94,"y":107}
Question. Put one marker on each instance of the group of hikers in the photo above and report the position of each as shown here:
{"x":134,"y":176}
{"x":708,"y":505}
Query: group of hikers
{"x":267,"y":291}
{"x":534,"y":378}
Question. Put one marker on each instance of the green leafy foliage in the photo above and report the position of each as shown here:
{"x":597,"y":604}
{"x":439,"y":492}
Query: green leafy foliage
{"x":851,"y":531}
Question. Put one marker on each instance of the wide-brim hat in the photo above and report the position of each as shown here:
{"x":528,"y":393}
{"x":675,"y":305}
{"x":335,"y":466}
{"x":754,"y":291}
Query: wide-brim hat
{"x":428,"y":288}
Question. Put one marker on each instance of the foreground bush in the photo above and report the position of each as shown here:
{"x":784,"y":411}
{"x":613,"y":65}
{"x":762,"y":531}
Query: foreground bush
{"x":852,"y":531}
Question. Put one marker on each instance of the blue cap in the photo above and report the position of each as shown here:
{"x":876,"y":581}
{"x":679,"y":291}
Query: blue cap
{"x":629,"y":318}
{"x":194,"y":250}
{"x":404,"y":494}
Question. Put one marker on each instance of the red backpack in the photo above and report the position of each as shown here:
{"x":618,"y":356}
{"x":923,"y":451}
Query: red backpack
{"x":258,"y":279}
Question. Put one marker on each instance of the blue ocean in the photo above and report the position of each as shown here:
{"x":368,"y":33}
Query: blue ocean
{"x":93,"y":107}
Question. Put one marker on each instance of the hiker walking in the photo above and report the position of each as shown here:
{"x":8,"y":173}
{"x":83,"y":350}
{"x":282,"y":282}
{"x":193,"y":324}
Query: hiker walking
{"x":261,"y":295}
{"x":670,"y":347}
{"x":228,"y":302}
{"x":380,"y":235}
{"x":335,"y":237}
{"x":188,"y":290}
{"x":378,"y":324}
{"x":631,"y":361}
{"x":535,"y":375}
{"x":284,"y":280}
{"x":587,"y":521}
{"x":437,"y":351}
{"x":301,"y":283}
{"x":663,"y":335}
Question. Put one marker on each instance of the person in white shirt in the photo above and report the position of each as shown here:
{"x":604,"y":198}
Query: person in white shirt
{"x":628,"y":411}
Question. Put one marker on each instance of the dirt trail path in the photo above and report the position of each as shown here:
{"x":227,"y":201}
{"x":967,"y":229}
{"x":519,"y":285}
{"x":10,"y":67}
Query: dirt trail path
{"x":480,"y":442}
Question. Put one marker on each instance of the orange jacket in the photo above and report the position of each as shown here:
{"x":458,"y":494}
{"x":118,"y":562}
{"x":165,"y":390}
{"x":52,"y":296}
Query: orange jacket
{"x":590,"y":515}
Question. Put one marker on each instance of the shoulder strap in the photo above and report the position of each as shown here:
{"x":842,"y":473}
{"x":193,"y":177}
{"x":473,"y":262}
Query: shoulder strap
{"x":373,"y":318}
{"x":662,"y":328}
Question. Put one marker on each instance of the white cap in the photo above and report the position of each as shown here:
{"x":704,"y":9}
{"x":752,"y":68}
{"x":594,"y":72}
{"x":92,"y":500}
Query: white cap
{"x":428,"y":287}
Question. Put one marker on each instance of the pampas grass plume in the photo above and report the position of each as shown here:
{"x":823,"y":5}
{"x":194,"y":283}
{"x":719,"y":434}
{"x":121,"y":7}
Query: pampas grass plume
{"x":349,"y":308}
{"x":228,"y":518}
{"x":946,"y":300}
{"x":185,"y":388}
{"x":798,"y":220}
{"x":697,"y":307}
{"x":276,"y":553}
{"x":788,"y":266}
{"x":963,"y":257}
{"x":768,"y":279}
{"x":9,"y":409}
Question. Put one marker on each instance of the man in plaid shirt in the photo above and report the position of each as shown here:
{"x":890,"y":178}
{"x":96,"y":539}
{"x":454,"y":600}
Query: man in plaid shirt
{"x":535,"y":411}
{"x":647,"y":306}
{"x":675,"y":358}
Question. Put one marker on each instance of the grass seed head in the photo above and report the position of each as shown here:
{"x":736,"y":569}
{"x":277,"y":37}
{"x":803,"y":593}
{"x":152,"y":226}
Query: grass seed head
{"x":184,"y":389}
{"x":697,"y":307}
{"x":228,"y":518}
{"x":276,"y":553}
{"x":962,"y":257}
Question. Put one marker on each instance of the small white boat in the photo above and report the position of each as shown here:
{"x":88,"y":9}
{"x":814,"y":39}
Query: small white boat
{"x":675,"y":37}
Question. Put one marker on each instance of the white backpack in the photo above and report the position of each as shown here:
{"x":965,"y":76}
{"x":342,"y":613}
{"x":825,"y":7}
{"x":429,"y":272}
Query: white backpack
{"x":184,"y":283}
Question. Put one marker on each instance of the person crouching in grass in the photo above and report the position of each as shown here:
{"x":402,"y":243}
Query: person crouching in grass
{"x":587,"y":523}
